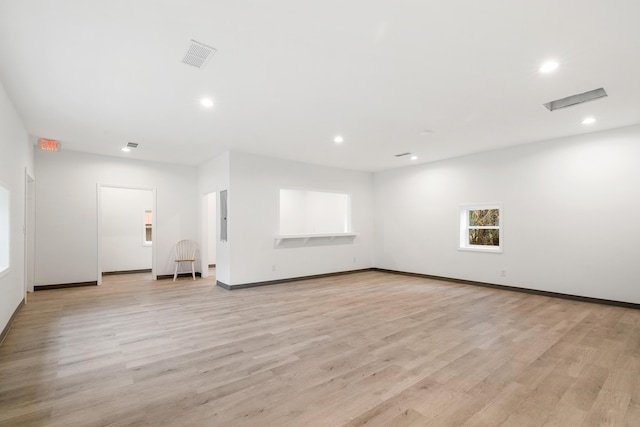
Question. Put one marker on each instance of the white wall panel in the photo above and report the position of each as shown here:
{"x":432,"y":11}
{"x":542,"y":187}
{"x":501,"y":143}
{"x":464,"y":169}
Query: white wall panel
{"x":66,"y":217}
{"x":213,"y":176}
{"x":255,"y":220}
{"x":570,"y":210}
{"x":16,"y":156}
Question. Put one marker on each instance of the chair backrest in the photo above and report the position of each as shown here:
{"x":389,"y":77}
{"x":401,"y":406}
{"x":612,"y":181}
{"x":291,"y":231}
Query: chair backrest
{"x":186,"y":249}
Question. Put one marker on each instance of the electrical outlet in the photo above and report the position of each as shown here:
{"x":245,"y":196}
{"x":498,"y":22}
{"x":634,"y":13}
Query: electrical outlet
{"x":354,"y":260}
{"x":503,"y":273}
{"x":273,"y":267}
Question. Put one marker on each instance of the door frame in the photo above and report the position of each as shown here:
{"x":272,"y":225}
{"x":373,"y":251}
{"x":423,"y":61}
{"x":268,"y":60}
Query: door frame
{"x":205,"y":230}
{"x":29,"y":231}
{"x":154,"y":226}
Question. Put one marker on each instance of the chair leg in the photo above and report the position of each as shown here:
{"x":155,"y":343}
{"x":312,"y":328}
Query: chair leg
{"x":175,"y":272}
{"x":193,"y":270}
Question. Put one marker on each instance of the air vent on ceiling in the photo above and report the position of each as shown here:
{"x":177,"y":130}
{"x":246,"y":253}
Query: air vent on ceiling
{"x":198,"y":54}
{"x":132,"y":144}
{"x":402,"y":154}
{"x":576,"y":99}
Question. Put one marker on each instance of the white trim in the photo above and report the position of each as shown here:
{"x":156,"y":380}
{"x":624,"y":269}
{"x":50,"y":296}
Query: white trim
{"x":319,"y":190}
{"x":332,"y":236}
{"x":480,"y":248}
{"x":204,"y":232}
{"x":27,"y":230}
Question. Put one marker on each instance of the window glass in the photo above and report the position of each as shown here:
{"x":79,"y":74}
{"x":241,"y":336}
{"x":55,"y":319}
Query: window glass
{"x":479,"y":218}
{"x":480,"y":228}
{"x":223,"y":216}
{"x":484,"y":217}
{"x":148,"y":228}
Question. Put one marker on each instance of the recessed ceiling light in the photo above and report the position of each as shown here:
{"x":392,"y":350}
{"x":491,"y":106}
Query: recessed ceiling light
{"x":588,"y":121}
{"x":206,"y":102}
{"x":549,"y":66}
{"x":414,"y":157}
{"x":125,"y":149}
{"x":338,"y":139}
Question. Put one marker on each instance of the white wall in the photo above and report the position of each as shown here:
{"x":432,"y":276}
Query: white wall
{"x":122,"y":229}
{"x":5,"y":225}
{"x":570,"y":209}
{"x":212,"y":235}
{"x":293,"y":209}
{"x":16,"y":155}
{"x":254,"y":220}
{"x":66,"y":215}
{"x":213,"y":176}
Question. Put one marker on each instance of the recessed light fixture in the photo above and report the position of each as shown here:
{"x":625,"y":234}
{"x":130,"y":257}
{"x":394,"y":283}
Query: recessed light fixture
{"x":338,"y":139}
{"x":125,"y":149}
{"x":414,"y":157}
{"x":549,"y":66}
{"x":588,"y":121}
{"x":207,"y":102}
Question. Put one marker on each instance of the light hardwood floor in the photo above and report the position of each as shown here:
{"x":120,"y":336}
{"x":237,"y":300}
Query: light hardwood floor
{"x":363,"y":349}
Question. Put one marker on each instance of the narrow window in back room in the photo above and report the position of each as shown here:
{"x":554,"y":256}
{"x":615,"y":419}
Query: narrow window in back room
{"x":147,"y":231}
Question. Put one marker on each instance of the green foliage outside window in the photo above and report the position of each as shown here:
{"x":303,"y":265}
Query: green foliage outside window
{"x":484,"y":218}
{"x":484,"y":237}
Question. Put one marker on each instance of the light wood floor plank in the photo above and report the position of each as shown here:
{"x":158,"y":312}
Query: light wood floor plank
{"x":365,"y":349}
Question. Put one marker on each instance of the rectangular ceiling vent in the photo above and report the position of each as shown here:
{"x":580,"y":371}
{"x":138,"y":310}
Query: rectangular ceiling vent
{"x":576,"y":99}
{"x":402,"y":154}
{"x":132,"y":144}
{"x":198,"y":54}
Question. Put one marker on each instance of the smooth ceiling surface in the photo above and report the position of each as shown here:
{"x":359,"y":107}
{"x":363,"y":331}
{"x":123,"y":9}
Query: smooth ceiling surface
{"x":290,"y":75}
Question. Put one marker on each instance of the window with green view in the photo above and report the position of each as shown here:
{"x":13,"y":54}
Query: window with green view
{"x":480,"y":228}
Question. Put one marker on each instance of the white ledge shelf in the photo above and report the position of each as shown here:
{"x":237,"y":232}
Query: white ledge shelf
{"x":307,"y":237}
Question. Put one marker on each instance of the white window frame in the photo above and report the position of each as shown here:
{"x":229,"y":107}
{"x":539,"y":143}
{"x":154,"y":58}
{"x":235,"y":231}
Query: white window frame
{"x":465,"y":227}
{"x":6,"y":240}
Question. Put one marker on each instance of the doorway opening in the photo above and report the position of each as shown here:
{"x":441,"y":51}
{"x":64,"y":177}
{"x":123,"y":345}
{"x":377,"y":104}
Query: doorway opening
{"x":126,"y":230}
{"x":209,"y":234}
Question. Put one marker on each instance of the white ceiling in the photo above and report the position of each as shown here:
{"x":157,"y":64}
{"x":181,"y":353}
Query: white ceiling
{"x":289,"y":75}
